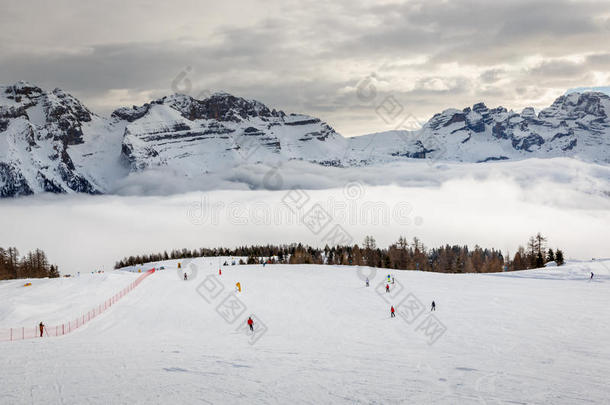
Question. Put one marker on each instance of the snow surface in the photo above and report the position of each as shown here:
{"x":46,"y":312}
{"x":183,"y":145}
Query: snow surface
{"x":176,"y":144}
{"x":534,"y":337}
{"x":57,"y":300}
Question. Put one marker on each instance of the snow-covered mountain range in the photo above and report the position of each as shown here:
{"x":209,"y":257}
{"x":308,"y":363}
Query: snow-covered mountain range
{"x":50,"y":142}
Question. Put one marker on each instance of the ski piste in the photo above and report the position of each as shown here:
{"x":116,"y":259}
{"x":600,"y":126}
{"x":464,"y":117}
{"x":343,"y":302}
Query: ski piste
{"x":165,"y":342}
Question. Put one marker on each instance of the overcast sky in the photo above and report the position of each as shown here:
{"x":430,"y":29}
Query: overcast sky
{"x":337,"y":61}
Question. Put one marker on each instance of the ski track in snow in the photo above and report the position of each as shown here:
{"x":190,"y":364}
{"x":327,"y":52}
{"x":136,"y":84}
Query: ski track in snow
{"x":530,"y":337}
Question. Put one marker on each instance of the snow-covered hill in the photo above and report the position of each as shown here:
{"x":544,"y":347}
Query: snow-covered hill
{"x":39,"y":136}
{"x":220,"y":132}
{"x":576,"y":125}
{"x":534,"y":337}
{"x":52,"y":143}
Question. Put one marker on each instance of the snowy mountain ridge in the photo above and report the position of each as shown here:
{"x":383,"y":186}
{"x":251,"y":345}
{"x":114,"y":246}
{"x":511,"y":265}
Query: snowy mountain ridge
{"x":52,"y":143}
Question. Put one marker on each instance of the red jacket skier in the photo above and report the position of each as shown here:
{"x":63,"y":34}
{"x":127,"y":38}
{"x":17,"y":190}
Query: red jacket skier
{"x":392,"y":314}
{"x":251,"y":324}
{"x":387,"y":288}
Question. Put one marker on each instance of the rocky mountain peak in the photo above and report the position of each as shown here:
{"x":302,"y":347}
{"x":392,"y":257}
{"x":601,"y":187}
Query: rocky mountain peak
{"x":219,"y":106}
{"x":58,"y":145}
{"x":222,"y":107}
{"x":577,"y":105}
{"x":22,"y":89}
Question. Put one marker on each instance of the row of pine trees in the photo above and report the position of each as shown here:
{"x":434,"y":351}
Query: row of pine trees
{"x":402,"y":255}
{"x":32,"y":265}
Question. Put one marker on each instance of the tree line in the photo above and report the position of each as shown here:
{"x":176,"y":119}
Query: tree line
{"x":401,"y":255}
{"x":32,"y":265}
{"x":536,"y":254}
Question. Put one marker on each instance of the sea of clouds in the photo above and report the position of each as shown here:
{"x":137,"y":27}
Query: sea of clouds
{"x":494,"y":205}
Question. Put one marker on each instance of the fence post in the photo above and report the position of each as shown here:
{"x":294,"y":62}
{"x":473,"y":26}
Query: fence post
{"x":90,"y":314}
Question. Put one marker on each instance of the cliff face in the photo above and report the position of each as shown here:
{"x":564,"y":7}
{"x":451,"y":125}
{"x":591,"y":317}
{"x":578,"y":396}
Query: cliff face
{"x":575,"y":125}
{"x":50,"y":142}
{"x":37,"y":130}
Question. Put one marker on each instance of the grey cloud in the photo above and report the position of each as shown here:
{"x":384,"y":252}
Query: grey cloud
{"x":557,"y":69}
{"x":599,"y":61}
{"x":491,"y":75}
{"x":305,"y":56}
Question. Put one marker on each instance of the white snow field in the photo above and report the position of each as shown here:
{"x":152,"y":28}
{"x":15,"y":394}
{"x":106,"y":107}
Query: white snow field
{"x":57,"y":300}
{"x":321,"y":336}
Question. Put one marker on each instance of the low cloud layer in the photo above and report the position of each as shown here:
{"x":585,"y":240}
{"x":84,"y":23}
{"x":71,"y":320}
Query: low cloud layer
{"x":310,"y":57}
{"x":495,"y":205}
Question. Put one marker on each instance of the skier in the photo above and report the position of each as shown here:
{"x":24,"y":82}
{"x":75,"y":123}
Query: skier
{"x":387,"y":288}
{"x":433,"y":308}
{"x":591,"y":276}
{"x":220,"y":272}
{"x":392,"y":314}
{"x":186,"y":277}
{"x":41,"y":327}
{"x":367,"y":281}
{"x":251,"y":323}
{"x":392,"y":279}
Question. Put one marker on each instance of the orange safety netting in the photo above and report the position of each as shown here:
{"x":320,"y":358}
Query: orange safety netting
{"x":30,"y":332}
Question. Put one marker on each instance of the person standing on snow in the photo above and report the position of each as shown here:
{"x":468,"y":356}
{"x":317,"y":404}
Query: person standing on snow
{"x":392,"y":314}
{"x":433,"y":308}
{"x":387,"y":288}
{"x":41,"y":327}
{"x":186,"y":277}
{"x":591,"y":276}
{"x":392,"y":279}
{"x":367,"y":281}
{"x":251,"y":323}
{"x":220,"y":272}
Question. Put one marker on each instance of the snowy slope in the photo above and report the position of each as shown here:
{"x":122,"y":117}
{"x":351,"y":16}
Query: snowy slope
{"x":223,"y":131}
{"x":533,"y":337}
{"x":575,"y":125}
{"x":57,"y":300}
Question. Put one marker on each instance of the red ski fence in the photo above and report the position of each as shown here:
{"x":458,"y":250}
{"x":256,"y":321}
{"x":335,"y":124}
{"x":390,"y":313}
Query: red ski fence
{"x":31,"y":332}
